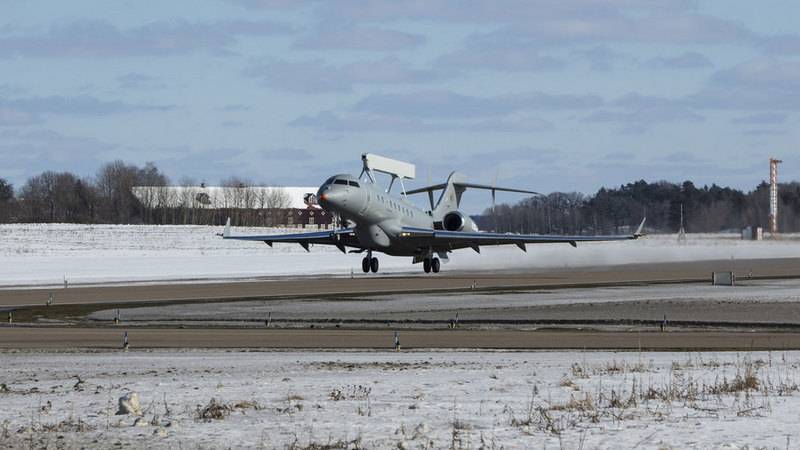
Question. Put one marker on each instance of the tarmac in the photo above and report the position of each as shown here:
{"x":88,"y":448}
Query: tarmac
{"x":201,"y":290}
{"x":74,"y":339}
{"x":63,"y":325}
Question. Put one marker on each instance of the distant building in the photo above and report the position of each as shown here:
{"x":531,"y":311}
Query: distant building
{"x":247,"y":205}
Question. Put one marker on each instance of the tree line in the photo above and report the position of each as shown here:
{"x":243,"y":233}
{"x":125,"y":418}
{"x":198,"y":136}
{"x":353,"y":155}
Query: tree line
{"x":110,"y":197}
{"x":619,"y":210}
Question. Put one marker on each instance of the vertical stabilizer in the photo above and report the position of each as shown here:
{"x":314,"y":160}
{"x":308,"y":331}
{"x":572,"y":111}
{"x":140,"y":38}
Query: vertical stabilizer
{"x":451,"y":196}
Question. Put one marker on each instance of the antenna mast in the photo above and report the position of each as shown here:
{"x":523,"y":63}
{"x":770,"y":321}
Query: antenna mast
{"x":773,"y":196}
{"x":681,"y":231}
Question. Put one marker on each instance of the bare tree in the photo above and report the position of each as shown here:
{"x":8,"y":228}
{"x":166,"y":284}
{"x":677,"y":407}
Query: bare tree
{"x":7,"y":203}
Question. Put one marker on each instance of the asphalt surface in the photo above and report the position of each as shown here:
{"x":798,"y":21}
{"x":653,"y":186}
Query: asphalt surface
{"x":82,"y":299}
{"x":111,"y":338}
{"x":376,"y":284}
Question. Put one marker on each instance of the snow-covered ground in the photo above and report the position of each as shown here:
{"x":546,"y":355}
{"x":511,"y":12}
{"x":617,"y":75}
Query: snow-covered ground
{"x":40,"y":254}
{"x":401,"y":400}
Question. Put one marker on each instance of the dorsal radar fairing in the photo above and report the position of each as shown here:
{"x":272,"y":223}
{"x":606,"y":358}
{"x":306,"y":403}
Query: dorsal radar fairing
{"x":392,"y":167}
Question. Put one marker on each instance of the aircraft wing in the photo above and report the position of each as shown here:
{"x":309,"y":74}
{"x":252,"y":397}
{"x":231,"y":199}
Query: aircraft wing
{"x":340,"y":238}
{"x":462,"y":239}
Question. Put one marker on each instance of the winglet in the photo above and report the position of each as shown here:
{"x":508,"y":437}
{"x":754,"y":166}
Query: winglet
{"x":639,"y":230}
{"x":227,"y":232}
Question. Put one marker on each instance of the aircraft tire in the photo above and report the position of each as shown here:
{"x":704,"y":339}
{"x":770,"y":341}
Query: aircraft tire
{"x":426,"y":265}
{"x":435,"y":265}
{"x":374,"y":265}
{"x":365,"y":265}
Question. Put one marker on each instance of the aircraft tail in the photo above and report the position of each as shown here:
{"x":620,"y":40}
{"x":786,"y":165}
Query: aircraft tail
{"x":450,"y":198}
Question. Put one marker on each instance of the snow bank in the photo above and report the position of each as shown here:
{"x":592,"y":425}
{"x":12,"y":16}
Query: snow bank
{"x":39,"y":254}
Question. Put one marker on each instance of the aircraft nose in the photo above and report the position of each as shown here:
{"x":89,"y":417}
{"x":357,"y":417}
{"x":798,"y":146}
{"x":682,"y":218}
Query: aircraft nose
{"x":330,"y":198}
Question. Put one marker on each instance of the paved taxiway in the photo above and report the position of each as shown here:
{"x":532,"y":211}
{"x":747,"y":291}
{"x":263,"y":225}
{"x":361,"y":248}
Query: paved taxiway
{"x":111,"y":338}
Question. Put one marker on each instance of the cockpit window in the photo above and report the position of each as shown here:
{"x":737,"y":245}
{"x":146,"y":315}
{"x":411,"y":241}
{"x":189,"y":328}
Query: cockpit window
{"x":329,"y":180}
{"x":344,"y":182}
{"x":353,"y":183}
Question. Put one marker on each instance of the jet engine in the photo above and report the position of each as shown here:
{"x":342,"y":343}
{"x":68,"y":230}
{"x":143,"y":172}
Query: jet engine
{"x":456,"y":221}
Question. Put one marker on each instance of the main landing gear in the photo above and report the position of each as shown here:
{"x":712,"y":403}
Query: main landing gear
{"x":369,"y":263}
{"x":431,"y":264}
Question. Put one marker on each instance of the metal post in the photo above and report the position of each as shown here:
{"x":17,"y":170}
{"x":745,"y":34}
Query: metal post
{"x":773,"y":196}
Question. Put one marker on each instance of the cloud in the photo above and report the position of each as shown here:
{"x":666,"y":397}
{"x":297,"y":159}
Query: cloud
{"x":445,"y":104}
{"x":687,"y":60}
{"x":316,"y":76}
{"x":511,"y":11}
{"x":330,"y":36}
{"x":505,"y":59}
{"x":285,"y":154}
{"x":14,"y":117}
{"x":267,"y":4}
{"x":26,"y":153}
{"x":82,"y":105}
{"x":763,"y":73}
{"x":784,"y":44}
{"x":619,"y":156}
{"x":235,"y":108}
{"x":135,"y":80}
{"x":761,"y":119}
{"x":99,"y":39}
{"x":329,"y":121}
{"x":613,"y":27}
{"x":639,"y":120}
{"x":600,"y":57}
{"x":759,"y":84}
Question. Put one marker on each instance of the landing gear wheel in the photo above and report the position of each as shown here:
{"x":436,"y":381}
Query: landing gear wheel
{"x":426,"y":265}
{"x":365,"y":265}
{"x":373,"y":264}
{"x":435,"y":265}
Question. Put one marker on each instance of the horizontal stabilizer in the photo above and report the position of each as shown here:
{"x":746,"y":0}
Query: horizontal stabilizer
{"x":437,"y":187}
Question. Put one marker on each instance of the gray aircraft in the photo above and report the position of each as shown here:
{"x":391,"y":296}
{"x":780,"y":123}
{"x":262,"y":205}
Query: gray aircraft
{"x":377,"y":221}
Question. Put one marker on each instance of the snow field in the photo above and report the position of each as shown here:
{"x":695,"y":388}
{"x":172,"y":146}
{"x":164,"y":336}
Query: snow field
{"x":402,"y":400}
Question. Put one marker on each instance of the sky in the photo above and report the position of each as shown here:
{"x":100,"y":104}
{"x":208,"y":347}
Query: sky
{"x":549,"y":95}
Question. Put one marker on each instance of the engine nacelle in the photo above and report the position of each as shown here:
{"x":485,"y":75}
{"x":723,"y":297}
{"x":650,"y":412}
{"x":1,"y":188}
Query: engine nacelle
{"x":456,"y":221}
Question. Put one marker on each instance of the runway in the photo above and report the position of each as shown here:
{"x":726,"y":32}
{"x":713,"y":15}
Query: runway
{"x":697,"y":271}
{"x":613,"y":307}
{"x":73,"y":339}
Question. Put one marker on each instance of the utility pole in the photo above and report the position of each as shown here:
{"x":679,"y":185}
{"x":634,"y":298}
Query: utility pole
{"x":773,"y":196}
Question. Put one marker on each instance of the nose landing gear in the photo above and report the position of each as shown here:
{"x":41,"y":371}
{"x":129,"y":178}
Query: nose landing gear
{"x":369,"y":263}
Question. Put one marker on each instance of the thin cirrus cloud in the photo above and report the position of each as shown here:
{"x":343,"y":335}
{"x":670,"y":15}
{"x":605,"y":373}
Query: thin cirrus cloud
{"x":332,"y":122}
{"x":505,"y":59}
{"x":38,"y":150}
{"x":97,"y":38}
{"x":133,"y":80}
{"x":449,"y":104}
{"x":316,"y":76}
{"x":82,"y":105}
{"x":687,"y":60}
{"x":761,"y":119}
{"x":510,"y":11}
{"x":328,"y":36}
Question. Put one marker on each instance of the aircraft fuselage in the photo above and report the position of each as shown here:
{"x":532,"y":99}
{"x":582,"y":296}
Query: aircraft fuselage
{"x":378,"y":216}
